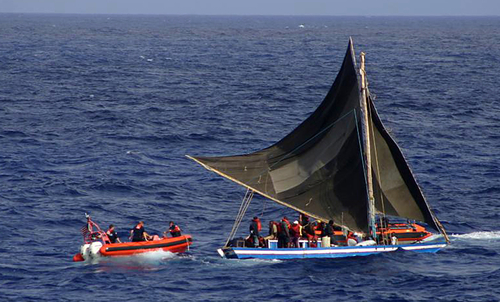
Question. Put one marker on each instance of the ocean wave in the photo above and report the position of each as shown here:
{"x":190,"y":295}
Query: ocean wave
{"x":482,"y":235}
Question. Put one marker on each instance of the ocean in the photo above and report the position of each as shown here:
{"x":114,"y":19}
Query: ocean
{"x":97,"y":113}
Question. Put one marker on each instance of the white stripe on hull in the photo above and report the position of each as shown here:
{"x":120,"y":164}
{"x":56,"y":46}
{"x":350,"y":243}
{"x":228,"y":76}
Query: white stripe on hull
{"x":325,"y":252}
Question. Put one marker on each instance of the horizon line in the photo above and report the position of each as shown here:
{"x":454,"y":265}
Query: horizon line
{"x":237,"y":15}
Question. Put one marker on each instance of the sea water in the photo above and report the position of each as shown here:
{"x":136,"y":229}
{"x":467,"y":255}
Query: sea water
{"x":98,"y":111}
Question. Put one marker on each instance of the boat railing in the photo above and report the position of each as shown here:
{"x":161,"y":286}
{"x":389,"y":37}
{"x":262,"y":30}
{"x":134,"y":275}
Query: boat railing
{"x":92,"y":232}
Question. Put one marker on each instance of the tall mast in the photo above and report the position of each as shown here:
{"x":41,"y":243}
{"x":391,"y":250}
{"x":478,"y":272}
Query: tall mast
{"x":366,"y":141}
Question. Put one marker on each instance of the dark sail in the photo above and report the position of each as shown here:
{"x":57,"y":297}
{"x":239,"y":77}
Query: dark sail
{"x":317,"y":168}
{"x":396,"y":190}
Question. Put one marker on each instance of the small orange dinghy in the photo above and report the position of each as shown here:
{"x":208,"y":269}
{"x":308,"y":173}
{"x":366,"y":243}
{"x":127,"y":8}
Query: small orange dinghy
{"x":171,"y":244}
{"x":96,"y":244}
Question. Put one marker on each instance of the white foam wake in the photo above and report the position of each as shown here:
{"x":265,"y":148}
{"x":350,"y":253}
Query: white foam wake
{"x":152,"y":258}
{"x":155,"y":255}
{"x":478,"y":235}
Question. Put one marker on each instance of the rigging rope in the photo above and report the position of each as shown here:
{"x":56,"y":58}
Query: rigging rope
{"x":241,"y":213}
{"x":263,"y":208}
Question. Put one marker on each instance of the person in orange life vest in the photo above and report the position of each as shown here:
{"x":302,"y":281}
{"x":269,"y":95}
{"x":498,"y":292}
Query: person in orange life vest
{"x":288,"y":224}
{"x":174,"y":230}
{"x":310,"y":231}
{"x":113,"y":237}
{"x":284,"y":233}
{"x":320,"y":228}
{"x":351,"y":239}
{"x":295,"y":233}
{"x":138,"y":233}
{"x":255,"y":228}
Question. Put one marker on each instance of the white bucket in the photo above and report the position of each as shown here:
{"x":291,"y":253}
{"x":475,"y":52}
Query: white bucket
{"x":325,"y":241}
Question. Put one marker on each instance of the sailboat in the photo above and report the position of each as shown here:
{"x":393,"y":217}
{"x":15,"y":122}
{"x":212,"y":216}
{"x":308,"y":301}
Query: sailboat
{"x":339,"y":164}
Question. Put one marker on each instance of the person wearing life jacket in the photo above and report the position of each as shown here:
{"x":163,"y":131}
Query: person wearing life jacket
{"x":284,"y":233}
{"x":320,"y":228}
{"x":351,"y":239}
{"x":288,"y":224}
{"x":112,"y":236}
{"x":295,"y":233}
{"x":310,"y":232}
{"x":174,"y":229}
{"x":138,"y":233}
{"x":255,"y":227}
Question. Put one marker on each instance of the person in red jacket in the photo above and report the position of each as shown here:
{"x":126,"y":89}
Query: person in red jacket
{"x":295,"y":233}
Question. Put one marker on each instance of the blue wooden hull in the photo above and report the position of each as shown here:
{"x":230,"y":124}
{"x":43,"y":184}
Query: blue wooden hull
{"x":327,"y":252}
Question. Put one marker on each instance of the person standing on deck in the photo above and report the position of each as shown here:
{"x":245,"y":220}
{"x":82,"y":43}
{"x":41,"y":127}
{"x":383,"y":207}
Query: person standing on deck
{"x":310,"y":231}
{"x":329,"y":232}
{"x":254,"y":231}
{"x":303,"y":219}
{"x":284,"y":233}
{"x":295,"y":233}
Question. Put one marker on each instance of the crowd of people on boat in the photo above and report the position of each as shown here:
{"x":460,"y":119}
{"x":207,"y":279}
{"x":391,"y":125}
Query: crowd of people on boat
{"x":290,"y":235}
{"x":138,"y":233}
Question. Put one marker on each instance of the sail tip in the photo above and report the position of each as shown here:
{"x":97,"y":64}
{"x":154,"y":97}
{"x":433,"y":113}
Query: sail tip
{"x":199,"y":162}
{"x":192,"y":158}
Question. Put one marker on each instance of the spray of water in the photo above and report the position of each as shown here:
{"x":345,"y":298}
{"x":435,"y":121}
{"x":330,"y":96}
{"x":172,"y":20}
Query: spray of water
{"x":483,"y":235}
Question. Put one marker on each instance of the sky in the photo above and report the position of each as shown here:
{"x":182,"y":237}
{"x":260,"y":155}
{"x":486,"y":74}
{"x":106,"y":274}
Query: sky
{"x":259,"y":7}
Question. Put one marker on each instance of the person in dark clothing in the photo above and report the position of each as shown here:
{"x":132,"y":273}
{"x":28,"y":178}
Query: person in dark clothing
{"x":329,"y":232}
{"x":284,"y":233}
{"x":309,"y":230}
{"x":174,"y":230}
{"x":320,"y":228}
{"x":113,"y":237}
{"x":254,"y":231}
{"x":273,"y":231}
{"x":138,"y":233}
{"x":303,"y":219}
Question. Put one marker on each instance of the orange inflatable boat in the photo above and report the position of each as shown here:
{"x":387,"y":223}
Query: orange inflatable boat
{"x":171,"y":244}
{"x":96,"y":244}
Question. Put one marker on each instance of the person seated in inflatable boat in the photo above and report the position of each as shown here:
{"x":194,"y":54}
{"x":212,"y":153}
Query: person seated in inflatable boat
{"x":139,"y":234}
{"x":173,"y":229}
{"x":112,"y":236}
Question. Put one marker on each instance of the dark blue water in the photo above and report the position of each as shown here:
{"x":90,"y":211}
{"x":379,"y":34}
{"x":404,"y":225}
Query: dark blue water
{"x":97,"y":113}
